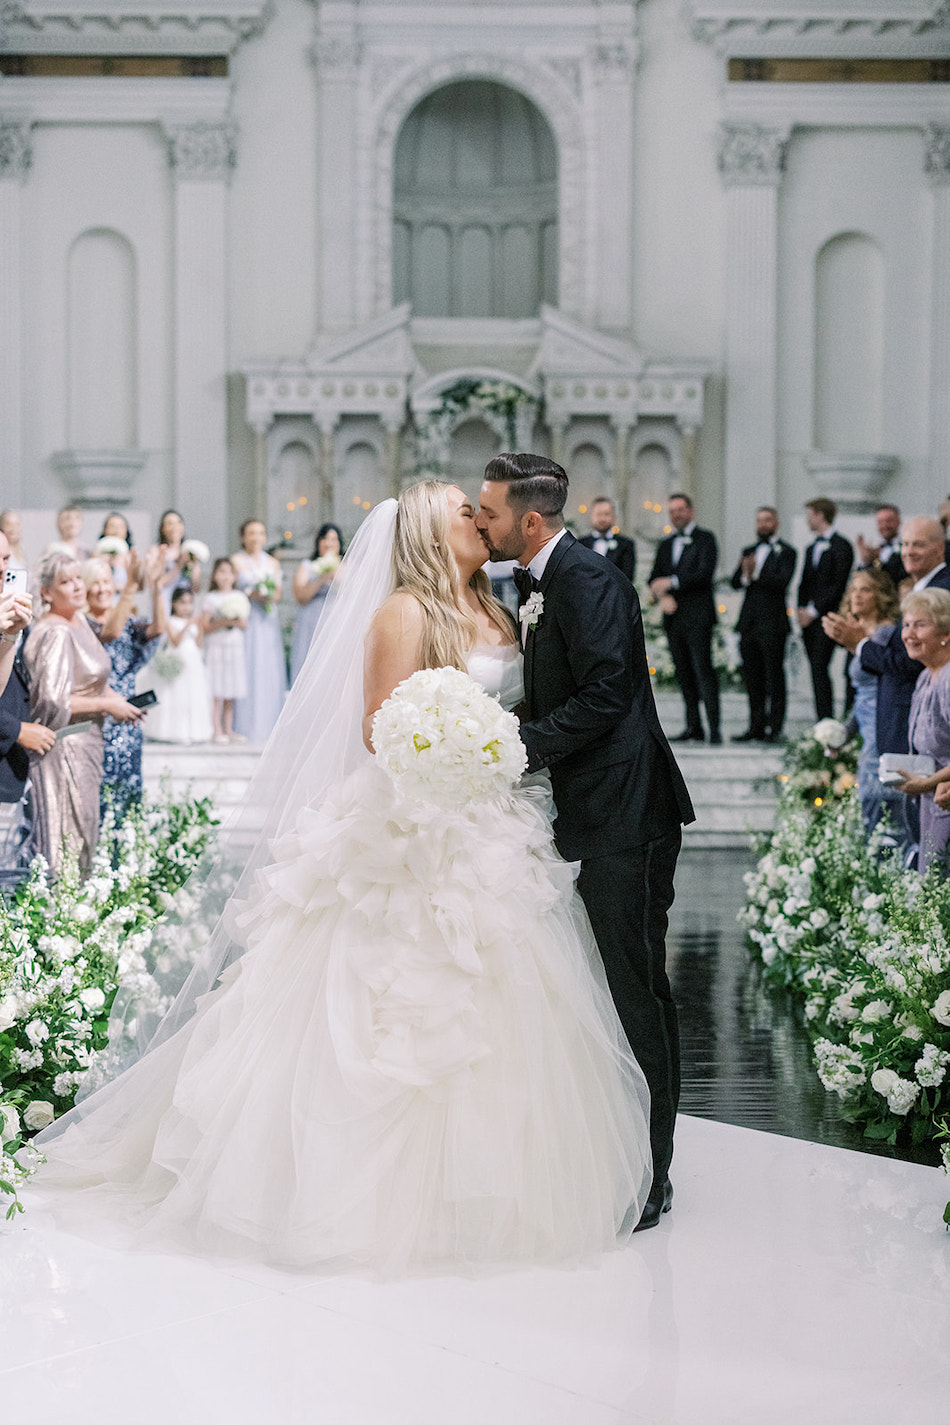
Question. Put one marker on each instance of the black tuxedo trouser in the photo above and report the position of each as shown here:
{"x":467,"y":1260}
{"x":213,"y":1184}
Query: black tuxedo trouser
{"x":691,"y":650}
{"x":628,"y":896}
{"x":763,"y":671}
{"x":819,"y":648}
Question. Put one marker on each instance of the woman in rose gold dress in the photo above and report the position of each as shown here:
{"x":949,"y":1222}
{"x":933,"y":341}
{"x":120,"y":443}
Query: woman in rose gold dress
{"x":69,"y":682}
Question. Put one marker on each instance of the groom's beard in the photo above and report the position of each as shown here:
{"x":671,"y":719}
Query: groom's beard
{"x":498,"y":554}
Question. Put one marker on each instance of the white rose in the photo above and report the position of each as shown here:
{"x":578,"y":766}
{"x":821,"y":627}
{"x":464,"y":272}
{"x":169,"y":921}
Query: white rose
{"x":7,"y":1014}
{"x":883,"y":1081}
{"x":9,"y":1123}
{"x":38,"y":1114}
{"x":877,"y":1010}
{"x":808,"y":866}
{"x":830,"y":733}
{"x":36,"y":1032}
{"x":941,"y":1009}
{"x":92,"y":997}
{"x":913,"y":1031}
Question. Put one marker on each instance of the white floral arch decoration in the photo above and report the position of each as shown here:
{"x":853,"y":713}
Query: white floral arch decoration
{"x":554,"y":99}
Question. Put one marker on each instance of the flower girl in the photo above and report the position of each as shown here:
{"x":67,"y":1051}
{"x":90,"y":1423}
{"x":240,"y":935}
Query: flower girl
{"x":177,"y":676}
{"x":224,"y":618}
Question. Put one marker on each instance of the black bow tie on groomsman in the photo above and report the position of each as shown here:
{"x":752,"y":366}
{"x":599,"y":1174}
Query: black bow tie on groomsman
{"x":525,"y":582}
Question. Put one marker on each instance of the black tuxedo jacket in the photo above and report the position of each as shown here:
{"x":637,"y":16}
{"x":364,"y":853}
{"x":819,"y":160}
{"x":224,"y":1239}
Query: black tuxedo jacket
{"x":14,"y":710}
{"x":823,"y":584}
{"x":590,"y":714}
{"x":624,"y":556}
{"x":894,"y":566}
{"x":695,"y":603}
{"x":764,"y":608}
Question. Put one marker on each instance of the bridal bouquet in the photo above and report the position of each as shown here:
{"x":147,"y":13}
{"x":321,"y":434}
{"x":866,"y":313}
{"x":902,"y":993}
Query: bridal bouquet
{"x":443,"y":740}
{"x":235,"y":605}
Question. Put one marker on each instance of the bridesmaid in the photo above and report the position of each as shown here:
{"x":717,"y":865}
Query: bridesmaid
{"x":69,"y":683}
{"x":311,"y":585}
{"x":180,"y":570}
{"x":259,"y":577}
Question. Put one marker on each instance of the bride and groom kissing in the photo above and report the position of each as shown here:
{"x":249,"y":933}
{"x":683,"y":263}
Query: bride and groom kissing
{"x":589,"y":718}
{"x":400,"y":1047}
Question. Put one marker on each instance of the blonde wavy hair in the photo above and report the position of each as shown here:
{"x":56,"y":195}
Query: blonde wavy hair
{"x":424,"y":566}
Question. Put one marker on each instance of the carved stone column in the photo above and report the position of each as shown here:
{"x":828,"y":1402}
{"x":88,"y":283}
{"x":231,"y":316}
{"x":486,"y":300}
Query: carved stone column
{"x":15,"y":159}
{"x":202,"y":158}
{"x":610,"y":302}
{"x":394,"y":457}
{"x":622,"y":473}
{"x":751,"y":161}
{"x":327,"y":468}
{"x":343,"y":301}
{"x":937,"y":168}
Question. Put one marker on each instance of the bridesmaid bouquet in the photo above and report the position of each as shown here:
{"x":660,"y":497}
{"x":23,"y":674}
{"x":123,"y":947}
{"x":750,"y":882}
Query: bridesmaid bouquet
{"x":267,"y":587}
{"x":111,"y":544}
{"x":443,"y":740}
{"x":326,"y":564}
{"x":168,"y":664}
{"x":235,"y":605}
{"x":195,"y":551}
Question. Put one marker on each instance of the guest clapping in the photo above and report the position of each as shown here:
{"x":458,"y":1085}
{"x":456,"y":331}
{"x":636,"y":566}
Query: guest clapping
{"x":130,"y":643}
{"x":224,"y":620}
{"x":69,"y":675}
{"x":258,"y":576}
{"x":870,"y":605}
{"x":311,"y":585}
{"x":926,"y":635}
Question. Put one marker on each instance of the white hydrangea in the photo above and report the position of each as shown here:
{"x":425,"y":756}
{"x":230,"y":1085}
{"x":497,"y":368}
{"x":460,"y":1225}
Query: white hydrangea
{"x":819,"y":918}
{"x":444,"y":740}
{"x":840,"y":1069}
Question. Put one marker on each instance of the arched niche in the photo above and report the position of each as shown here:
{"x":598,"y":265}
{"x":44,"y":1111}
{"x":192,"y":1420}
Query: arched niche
{"x":359,"y":484}
{"x":293,"y":494}
{"x":849,"y":344}
{"x":589,"y":471}
{"x":473,"y":444}
{"x":652,"y":484}
{"x":475,"y":204}
{"x":101,"y":341}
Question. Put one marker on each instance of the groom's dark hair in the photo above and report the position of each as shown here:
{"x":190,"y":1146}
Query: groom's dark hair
{"x":534,"y":483}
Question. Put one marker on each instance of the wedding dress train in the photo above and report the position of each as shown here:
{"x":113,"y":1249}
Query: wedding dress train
{"x":415,"y":1064}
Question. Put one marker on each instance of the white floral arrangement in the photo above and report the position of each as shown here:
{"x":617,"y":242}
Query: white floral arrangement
{"x":197,"y":550}
{"x":168,"y":663}
{"x":234,"y":605}
{"x":111,"y":544}
{"x":830,"y":733}
{"x":443,"y":740}
{"x":65,"y":947}
{"x":326,"y":564}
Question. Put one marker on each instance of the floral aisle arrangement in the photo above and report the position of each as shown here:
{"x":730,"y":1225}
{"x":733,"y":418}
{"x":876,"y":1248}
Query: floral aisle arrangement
{"x":725,"y":653}
{"x":66,"y":946}
{"x":865,"y":947}
{"x":822,"y":766}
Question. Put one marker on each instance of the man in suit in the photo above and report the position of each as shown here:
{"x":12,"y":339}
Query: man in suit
{"x":824,"y":578}
{"x":605,"y":540}
{"x":886,"y":554}
{"x":764,"y":571}
{"x":621,"y":800}
{"x":18,"y":735}
{"x":682,"y":583}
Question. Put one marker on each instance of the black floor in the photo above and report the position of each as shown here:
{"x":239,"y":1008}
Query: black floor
{"x":746,"y":1059}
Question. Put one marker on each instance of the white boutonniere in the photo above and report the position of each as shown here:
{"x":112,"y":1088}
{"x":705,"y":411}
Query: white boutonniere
{"x":531,"y":610}
{"x":687,"y":539}
{"x":611,"y":544}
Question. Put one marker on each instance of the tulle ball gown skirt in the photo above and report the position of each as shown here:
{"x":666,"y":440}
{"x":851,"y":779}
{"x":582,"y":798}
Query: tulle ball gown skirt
{"x":415,"y":1065}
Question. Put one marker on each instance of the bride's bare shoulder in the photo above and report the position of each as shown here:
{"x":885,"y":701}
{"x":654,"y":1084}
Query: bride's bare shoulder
{"x":398,"y":616}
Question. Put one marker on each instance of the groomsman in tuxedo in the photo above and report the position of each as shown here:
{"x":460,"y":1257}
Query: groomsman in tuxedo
{"x":590,"y":718}
{"x":824,"y":578}
{"x":765,"y":571}
{"x":682,"y":583}
{"x":604,"y":539}
{"x":886,"y":554}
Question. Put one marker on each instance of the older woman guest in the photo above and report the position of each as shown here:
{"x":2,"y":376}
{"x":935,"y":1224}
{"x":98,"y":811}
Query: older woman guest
{"x":311,"y":585}
{"x":926,"y":635}
{"x":69,"y":683}
{"x":130,"y":642}
{"x":870,"y":601}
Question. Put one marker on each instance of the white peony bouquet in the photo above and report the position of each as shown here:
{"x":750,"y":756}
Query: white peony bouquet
{"x":235,"y":605}
{"x":326,"y":564}
{"x":830,"y":733}
{"x":196,"y":549}
{"x":111,"y":544}
{"x":443,"y":740}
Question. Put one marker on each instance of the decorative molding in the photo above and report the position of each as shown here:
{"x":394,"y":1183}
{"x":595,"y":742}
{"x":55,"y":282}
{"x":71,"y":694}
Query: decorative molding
{"x":937,"y":154}
{"x":751,"y":154}
{"x":854,"y":481}
{"x":765,"y":29}
{"x":117,"y":101}
{"x":99,"y":477}
{"x":336,"y":55}
{"x":130,"y":26}
{"x":568,"y":70}
{"x":614,"y":61}
{"x":16,"y":149}
{"x":202,"y":150}
{"x":817,"y":106}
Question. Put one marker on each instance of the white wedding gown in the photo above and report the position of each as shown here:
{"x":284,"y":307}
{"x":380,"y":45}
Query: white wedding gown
{"x":416,"y":1064}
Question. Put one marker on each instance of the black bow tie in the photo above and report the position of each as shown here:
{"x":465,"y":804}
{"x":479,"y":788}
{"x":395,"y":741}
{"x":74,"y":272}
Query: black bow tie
{"x":525,"y":582}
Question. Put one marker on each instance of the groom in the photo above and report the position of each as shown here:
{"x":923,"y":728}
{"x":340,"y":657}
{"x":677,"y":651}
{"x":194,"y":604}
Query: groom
{"x":620,"y":798}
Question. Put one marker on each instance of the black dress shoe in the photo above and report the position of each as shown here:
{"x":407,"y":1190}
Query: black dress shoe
{"x":715,"y":739}
{"x":689,"y":736}
{"x":659,"y":1201}
{"x":749,"y":736}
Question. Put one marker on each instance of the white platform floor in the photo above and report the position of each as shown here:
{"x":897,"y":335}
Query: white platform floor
{"x":793,"y":1284}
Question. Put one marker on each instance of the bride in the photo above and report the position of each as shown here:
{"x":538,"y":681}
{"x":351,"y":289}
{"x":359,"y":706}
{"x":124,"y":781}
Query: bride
{"x":398,"y":1050}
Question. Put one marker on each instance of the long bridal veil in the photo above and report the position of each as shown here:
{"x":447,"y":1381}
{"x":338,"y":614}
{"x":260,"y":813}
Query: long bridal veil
{"x":316,"y":743}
